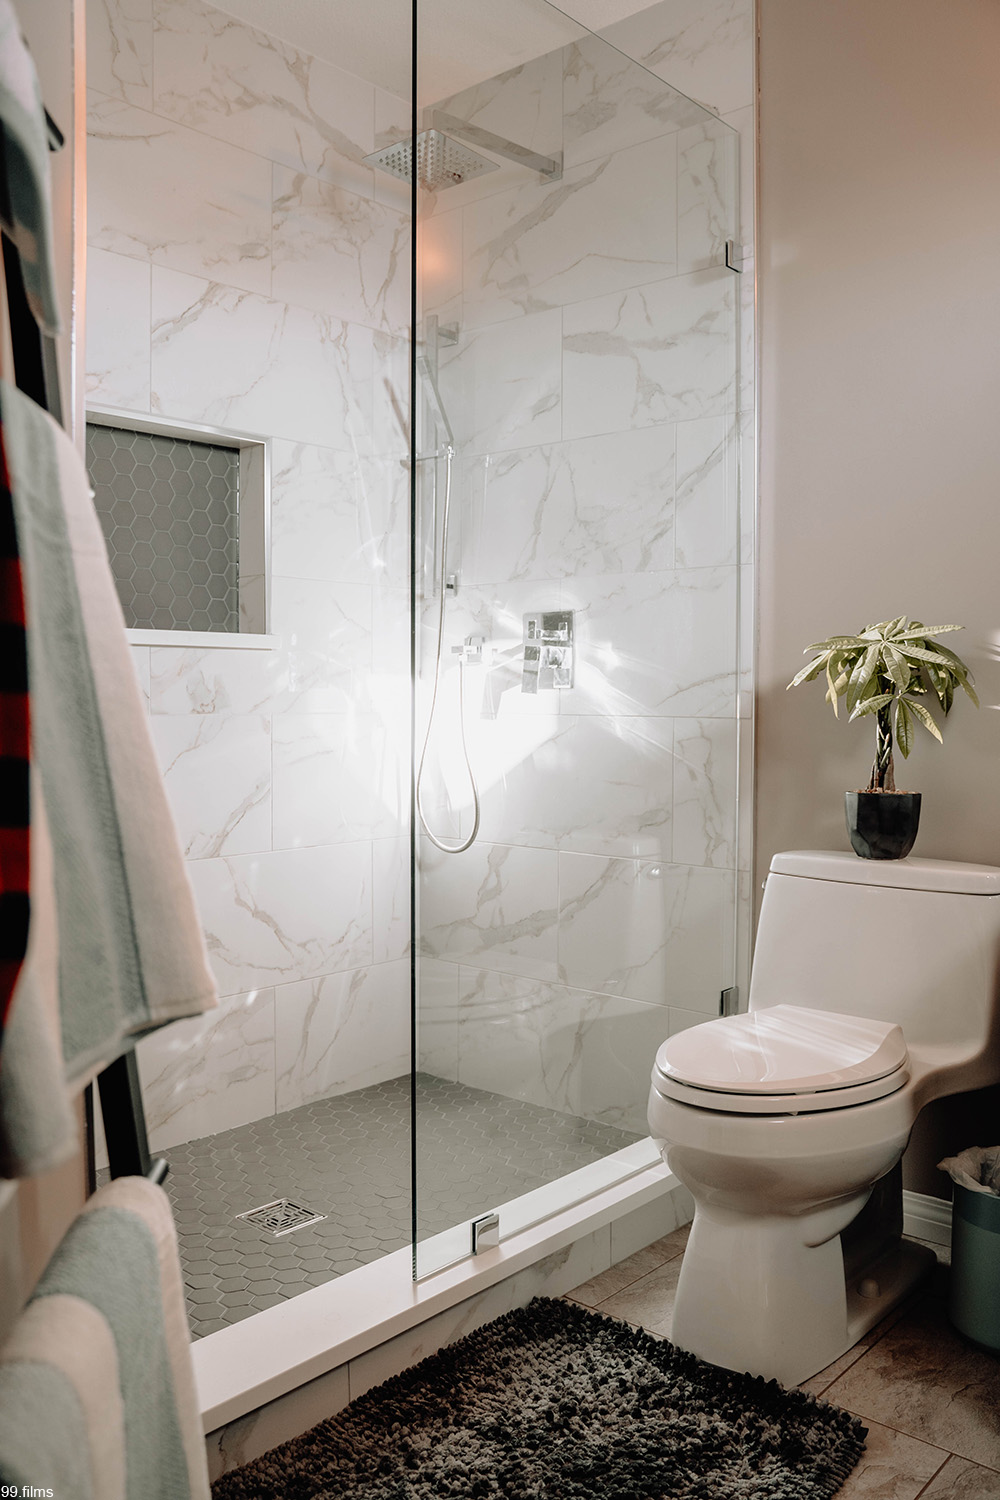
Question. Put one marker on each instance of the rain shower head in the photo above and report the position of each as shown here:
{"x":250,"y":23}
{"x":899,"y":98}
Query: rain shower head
{"x":441,"y":162}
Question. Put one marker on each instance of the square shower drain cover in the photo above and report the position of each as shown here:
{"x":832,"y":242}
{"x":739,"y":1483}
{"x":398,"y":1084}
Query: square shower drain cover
{"x":281,"y":1217}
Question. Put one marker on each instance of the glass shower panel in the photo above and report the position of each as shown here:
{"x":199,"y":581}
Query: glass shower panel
{"x":574,"y":609}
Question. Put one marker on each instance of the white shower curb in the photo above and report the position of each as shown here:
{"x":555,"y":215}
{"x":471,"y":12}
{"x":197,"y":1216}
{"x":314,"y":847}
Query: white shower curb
{"x":281,"y":1349}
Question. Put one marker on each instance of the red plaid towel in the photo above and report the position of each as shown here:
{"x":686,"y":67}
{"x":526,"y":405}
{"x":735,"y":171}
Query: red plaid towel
{"x":14,"y":755}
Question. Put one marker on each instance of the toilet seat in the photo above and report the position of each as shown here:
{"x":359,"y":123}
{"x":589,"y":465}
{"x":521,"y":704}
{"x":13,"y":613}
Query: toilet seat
{"x":784,"y":1059}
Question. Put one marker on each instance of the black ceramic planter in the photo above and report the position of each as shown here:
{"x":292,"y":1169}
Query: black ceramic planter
{"x":882,"y":825}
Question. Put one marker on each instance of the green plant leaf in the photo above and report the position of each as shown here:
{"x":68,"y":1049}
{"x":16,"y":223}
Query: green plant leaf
{"x":920,"y":653}
{"x":920,"y":631}
{"x":924,"y":716}
{"x":897,"y":667}
{"x":864,"y":669}
{"x":872,"y":705}
{"x":834,"y":642}
{"x":809,"y":672}
{"x":904,"y":727}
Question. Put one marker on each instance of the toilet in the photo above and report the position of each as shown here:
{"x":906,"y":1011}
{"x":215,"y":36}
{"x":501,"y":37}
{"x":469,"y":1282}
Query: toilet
{"x":875,"y":989}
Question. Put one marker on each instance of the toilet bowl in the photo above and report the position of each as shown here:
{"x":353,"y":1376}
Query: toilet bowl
{"x":781,"y":1121}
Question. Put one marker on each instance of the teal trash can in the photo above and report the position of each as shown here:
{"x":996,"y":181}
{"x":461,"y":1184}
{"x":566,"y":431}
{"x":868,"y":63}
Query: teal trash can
{"x":974,"y":1299}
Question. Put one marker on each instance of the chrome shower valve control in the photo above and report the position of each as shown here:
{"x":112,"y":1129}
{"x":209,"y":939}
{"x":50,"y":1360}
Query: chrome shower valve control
{"x":548,"y":650}
{"x":471,"y":650}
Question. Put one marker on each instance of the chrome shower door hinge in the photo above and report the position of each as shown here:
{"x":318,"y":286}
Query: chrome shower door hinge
{"x":485,"y":1233}
{"x":734,"y":256}
{"x":729,"y":1001}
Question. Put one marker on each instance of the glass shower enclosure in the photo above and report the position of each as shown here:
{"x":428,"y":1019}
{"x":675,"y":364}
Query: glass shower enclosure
{"x":575,"y":493}
{"x":455,"y":770}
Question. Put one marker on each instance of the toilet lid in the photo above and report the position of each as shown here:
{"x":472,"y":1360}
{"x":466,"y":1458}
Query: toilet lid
{"x":784,"y":1049}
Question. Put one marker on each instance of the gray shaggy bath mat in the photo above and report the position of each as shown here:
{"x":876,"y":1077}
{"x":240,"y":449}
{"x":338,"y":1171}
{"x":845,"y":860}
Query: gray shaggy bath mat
{"x":552,"y":1402}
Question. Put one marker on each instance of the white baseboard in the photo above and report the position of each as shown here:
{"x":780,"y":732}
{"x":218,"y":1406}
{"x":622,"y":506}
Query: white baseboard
{"x":927,"y":1218}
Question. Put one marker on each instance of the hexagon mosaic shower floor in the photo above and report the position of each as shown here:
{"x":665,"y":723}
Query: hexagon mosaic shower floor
{"x":348,"y":1158}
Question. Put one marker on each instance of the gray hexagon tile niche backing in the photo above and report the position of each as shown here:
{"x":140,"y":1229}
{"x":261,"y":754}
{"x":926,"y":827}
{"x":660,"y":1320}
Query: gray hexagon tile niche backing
{"x":169,"y":508}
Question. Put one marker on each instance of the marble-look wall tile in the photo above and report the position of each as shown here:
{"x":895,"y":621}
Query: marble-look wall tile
{"x":246,"y":1438}
{"x":211,"y":1073}
{"x":390,"y":417}
{"x":611,"y":103}
{"x":325,"y":631}
{"x":645,"y":929}
{"x":599,"y":229}
{"x":595,"y":505}
{"x":120,"y":49}
{"x":340,"y":253}
{"x":293,"y":914}
{"x":215,"y":680}
{"x":502,"y":384}
{"x":702,"y":47}
{"x":599,"y":785}
{"x":437,"y":1019}
{"x":336,"y":515}
{"x":234,"y":359}
{"x":566,"y":1049}
{"x":390,"y":898}
{"x":707,"y":193}
{"x":337,"y":777}
{"x":493,"y":905}
{"x":140,"y":660}
{"x":225,"y":78}
{"x":705,"y":792}
{"x":660,"y":353}
{"x":706,"y":503}
{"x":217,"y":771}
{"x":439,"y":240}
{"x":163,"y":193}
{"x":118,"y":314}
{"x":393,"y":123}
{"x":341,"y":1032}
{"x":654,"y":643}
{"x":522,"y":104}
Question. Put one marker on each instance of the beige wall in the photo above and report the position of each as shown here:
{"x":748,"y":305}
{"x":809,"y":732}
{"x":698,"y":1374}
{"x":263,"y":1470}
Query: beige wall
{"x":879,"y":264}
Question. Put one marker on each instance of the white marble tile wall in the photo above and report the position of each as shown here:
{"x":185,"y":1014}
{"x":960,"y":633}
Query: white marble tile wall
{"x":595,"y":389}
{"x":244,"y":273}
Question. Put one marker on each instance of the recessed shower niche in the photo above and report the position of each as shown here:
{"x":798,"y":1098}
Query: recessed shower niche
{"x":183,"y":514}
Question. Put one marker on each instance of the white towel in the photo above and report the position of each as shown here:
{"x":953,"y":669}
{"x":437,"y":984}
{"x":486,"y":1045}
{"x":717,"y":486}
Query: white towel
{"x":131,"y":955}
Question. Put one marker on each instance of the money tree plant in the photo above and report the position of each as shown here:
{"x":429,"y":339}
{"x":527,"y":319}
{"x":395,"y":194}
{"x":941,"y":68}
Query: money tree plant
{"x":890,"y":671}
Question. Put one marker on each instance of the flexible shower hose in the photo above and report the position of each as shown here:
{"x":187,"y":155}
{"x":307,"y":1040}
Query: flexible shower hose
{"x":466,"y":843}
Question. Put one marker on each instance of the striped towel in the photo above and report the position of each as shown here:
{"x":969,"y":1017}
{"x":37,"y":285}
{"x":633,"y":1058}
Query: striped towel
{"x":26,"y":213}
{"x":97,"y":1396}
{"x":14,"y":757}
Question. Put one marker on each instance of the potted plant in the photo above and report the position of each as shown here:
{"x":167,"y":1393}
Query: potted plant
{"x":887,"y":671}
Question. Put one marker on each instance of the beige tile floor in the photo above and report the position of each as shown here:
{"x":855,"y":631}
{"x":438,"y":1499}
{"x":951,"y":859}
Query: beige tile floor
{"x":930,"y":1401}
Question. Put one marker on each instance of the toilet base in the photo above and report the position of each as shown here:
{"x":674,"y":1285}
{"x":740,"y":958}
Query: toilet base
{"x":768,"y":1296}
{"x":897,"y":1275}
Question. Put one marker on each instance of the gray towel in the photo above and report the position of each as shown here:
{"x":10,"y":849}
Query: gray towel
{"x":24,"y":142}
{"x":97,"y":1397}
{"x":131,"y":955}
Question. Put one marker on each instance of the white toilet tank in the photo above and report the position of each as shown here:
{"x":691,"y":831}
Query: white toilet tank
{"x":915,"y":941}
